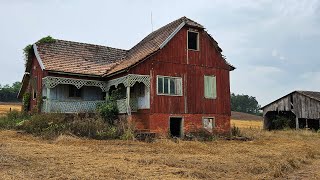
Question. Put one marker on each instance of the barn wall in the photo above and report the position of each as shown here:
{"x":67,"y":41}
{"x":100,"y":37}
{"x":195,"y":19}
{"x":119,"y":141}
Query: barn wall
{"x":305,"y":107}
{"x":283,"y":104}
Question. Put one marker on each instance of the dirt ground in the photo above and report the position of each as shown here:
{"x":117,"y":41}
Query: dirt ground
{"x":282,"y":154}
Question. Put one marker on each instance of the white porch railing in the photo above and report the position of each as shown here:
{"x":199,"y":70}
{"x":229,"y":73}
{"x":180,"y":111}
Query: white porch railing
{"x":69,"y":106}
{"x":122,"y":105}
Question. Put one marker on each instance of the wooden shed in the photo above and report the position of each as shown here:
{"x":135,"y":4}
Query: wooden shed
{"x":302,"y":107}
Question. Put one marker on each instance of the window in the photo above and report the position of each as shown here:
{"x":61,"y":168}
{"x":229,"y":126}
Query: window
{"x":74,"y":92}
{"x":208,"y":123}
{"x":210,"y":87}
{"x":169,"y":86}
{"x":193,"y":40}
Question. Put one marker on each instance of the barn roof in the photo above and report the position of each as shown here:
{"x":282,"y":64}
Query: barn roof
{"x":311,"y":94}
{"x":90,"y":59}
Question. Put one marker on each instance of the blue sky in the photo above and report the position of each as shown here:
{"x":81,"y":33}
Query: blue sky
{"x":274,"y":44}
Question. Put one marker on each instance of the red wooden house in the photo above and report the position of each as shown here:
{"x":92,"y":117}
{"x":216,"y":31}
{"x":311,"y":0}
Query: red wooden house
{"x":174,"y":79}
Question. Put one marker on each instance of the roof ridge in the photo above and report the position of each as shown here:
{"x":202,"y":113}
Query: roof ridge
{"x":83,"y":43}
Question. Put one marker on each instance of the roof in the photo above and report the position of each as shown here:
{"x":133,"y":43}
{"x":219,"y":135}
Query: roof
{"x":311,"y":94}
{"x":79,"y":58}
{"x":89,"y":59}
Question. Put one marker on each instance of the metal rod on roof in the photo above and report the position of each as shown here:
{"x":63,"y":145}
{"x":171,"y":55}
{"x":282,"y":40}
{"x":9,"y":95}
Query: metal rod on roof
{"x":151,"y":23}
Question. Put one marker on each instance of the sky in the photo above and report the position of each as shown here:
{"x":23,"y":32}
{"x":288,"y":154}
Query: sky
{"x":275,"y":45}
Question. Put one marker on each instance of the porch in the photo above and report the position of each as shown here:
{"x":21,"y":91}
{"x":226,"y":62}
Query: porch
{"x":69,"y":95}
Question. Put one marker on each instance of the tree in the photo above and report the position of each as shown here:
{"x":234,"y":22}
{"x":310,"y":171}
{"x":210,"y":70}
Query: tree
{"x":9,"y":93}
{"x":244,"y":103}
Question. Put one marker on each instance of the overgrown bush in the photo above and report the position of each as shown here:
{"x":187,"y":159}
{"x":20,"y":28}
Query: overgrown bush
{"x":12,"y":119}
{"x":235,"y":131}
{"x":280,"y":122}
{"x":109,"y":109}
{"x":26,"y":102}
{"x":200,"y":134}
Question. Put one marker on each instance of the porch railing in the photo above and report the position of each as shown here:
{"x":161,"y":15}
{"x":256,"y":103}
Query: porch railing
{"x":69,"y":106}
{"x":122,"y":105}
{"x":84,"y":106}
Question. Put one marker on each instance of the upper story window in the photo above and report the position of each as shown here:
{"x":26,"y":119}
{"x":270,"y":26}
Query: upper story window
{"x":193,"y":40}
{"x":74,"y":92}
{"x":171,"y":86}
{"x":210,"y":87}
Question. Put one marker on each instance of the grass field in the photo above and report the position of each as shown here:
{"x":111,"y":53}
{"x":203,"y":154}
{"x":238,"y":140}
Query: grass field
{"x":280,"y":154}
{"x":5,"y":107}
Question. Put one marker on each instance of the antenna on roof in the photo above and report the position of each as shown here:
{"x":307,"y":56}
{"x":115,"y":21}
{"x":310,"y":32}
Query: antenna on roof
{"x":151,"y":23}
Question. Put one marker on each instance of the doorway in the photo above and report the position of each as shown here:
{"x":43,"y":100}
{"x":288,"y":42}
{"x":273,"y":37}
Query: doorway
{"x":176,"y":128}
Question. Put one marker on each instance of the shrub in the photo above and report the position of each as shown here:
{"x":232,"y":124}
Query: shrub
{"x":280,"y":122}
{"x":88,"y":127}
{"x":26,"y":101}
{"x":109,"y":110}
{"x":12,"y":119}
{"x":200,"y":134}
{"x":235,"y":131}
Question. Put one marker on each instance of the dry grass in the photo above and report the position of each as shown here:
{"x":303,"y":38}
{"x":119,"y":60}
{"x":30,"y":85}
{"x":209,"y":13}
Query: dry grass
{"x":256,"y":124}
{"x":5,"y":108}
{"x":271,"y":155}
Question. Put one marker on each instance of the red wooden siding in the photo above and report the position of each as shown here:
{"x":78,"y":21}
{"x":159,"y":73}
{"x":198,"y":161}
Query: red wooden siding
{"x":37,"y":72}
{"x":175,"y":60}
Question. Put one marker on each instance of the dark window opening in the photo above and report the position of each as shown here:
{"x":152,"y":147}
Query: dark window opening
{"x":175,"y":127}
{"x":34,"y":94}
{"x":193,"y":40}
{"x":74,"y":92}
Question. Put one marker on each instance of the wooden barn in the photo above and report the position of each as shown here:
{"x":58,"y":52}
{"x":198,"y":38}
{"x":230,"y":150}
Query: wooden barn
{"x":302,"y":107}
{"x":175,"y":79}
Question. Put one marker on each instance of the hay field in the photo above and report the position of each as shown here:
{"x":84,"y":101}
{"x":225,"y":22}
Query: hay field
{"x":281,"y":154}
{"x":256,"y":124}
{"x":5,"y":107}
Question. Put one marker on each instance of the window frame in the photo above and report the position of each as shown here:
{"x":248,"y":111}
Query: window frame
{"x":198,"y":40}
{"x":34,"y":94}
{"x":204,"y":87}
{"x":164,"y":94}
{"x":213,"y":122}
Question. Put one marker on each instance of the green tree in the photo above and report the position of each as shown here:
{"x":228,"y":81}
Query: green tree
{"x":9,"y":93}
{"x":244,"y":103}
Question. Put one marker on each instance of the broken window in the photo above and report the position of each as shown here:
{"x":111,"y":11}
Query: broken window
{"x":208,"y":123}
{"x":193,"y":40}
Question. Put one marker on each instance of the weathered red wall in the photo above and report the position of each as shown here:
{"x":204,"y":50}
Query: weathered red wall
{"x":175,"y":60}
{"x":36,"y":71}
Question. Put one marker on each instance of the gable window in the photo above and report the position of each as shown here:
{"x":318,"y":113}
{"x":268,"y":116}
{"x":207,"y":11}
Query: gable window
{"x":208,"y":123}
{"x":74,"y":92}
{"x":210,"y":87}
{"x":169,"y":85}
{"x":193,"y":40}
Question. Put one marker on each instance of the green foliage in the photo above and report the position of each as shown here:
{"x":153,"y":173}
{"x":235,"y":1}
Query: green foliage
{"x":109,"y":110}
{"x":201,"y":135}
{"x":245,"y":103}
{"x":26,"y":101}
{"x":280,"y":122}
{"x":39,"y":102}
{"x":27,"y":51}
{"x":235,"y":131}
{"x":12,"y":119}
{"x":9,"y":93}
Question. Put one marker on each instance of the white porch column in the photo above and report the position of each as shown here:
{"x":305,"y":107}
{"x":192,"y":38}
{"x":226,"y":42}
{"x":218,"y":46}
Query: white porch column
{"x":47,"y":100}
{"x":128,"y":101}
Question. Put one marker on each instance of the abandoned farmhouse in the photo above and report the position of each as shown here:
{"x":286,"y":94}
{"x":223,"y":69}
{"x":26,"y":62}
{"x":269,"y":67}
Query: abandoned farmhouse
{"x":174,"y":79}
{"x":301,"y":107}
